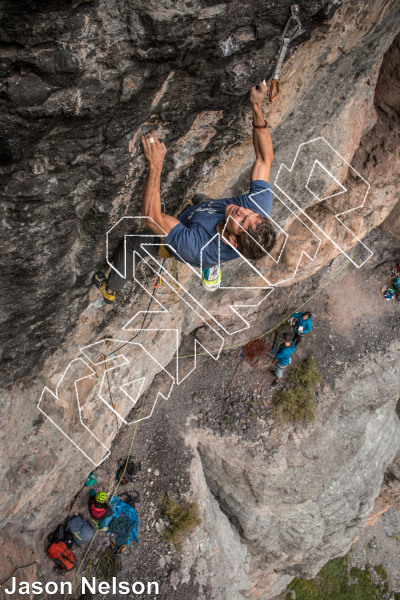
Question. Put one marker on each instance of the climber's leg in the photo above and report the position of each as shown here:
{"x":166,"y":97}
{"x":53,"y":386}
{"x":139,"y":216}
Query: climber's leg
{"x":124,"y":263}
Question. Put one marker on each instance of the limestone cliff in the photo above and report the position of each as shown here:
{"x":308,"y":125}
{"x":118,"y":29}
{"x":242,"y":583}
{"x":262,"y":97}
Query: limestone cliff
{"x":80,"y":82}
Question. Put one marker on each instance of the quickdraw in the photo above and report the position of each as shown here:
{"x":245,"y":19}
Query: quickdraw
{"x":292,"y":29}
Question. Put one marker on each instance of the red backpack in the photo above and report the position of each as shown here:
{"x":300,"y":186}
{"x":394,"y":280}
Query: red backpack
{"x":62,"y":556}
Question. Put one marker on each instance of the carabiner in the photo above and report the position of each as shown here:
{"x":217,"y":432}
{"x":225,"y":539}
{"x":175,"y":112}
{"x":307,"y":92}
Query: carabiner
{"x":157,"y":282}
{"x":272,"y":96}
{"x":293,"y":21}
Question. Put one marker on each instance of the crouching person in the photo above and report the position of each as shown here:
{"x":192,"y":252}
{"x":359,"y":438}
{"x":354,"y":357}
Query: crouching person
{"x":99,"y":509}
{"x":302,"y":324}
{"x":283,"y":357}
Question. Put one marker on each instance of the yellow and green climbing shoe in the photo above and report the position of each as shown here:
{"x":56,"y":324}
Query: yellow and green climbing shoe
{"x":211,"y":278}
{"x":100,"y":281}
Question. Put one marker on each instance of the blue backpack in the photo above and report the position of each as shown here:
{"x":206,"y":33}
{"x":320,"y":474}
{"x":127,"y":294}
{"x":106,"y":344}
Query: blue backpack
{"x":80,"y":529}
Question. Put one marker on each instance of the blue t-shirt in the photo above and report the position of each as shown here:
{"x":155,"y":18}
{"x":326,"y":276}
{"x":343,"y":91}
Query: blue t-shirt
{"x":306,"y":323}
{"x":196,"y":234}
{"x":284,"y":353}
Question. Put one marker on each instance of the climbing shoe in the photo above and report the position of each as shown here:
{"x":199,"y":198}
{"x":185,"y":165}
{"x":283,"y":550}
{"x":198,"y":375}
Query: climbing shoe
{"x":274,"y":383}
{"x":100,"y":281}
{"x":211,"y":278}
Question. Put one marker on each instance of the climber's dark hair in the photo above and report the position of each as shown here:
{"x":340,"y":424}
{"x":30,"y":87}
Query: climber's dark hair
{"x":262,"y":235}
{"x":287,"y":337}
{"x":307,"y":313}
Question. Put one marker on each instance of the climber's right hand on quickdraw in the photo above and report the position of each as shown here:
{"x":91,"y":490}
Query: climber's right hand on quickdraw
{"x":258,"y":93}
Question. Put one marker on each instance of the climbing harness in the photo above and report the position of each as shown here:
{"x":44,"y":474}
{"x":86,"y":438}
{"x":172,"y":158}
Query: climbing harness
{"x":292,"y":29}
{"x":172,"y":266}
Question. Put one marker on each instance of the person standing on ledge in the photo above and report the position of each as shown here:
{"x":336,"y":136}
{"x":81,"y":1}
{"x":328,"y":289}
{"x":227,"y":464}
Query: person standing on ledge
{"x":302,"y":324}
{"x":283,"y":357}
{"x":242,"y":223}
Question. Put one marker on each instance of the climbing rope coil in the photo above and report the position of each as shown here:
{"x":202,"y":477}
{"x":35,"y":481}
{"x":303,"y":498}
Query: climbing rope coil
{"x":292,"y":29}
{"x":121,"y":528}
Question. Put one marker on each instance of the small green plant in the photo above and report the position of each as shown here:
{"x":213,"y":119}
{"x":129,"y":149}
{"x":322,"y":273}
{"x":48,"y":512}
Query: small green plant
{"x":228,"y":420}
{"x":298,"y":402}
{"x":306,"y":373}
{"x":183,"y":517}
{"x":381,"y":571}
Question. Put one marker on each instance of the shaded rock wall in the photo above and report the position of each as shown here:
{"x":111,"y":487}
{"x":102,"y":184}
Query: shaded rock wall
{"x":80,"y":84}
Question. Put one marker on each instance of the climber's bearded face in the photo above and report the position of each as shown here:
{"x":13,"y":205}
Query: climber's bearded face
{"x":238,"y":218}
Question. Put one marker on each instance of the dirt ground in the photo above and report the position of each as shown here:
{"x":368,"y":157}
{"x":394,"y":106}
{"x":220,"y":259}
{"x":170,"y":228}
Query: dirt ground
{"x":351,"y":319}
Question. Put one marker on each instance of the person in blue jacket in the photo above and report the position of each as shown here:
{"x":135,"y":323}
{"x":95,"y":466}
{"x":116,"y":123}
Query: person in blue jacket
{"x":302,"y":324}
{"x":283,"y":357}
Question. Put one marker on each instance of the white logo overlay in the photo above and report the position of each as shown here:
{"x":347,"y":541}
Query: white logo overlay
{"x":104,"y":383}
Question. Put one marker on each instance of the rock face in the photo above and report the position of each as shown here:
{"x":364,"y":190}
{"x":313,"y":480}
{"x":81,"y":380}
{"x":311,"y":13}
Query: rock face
{"x":16,"y":560}
{"x":309,"y":498}
{"x":80,"y":84}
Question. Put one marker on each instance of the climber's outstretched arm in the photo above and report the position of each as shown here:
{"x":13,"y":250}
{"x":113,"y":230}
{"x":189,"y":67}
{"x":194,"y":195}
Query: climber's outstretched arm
{"x":159,"y":222}
{"x":261,"y":136}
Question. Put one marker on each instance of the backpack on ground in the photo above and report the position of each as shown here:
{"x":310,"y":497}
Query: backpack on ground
{"x":132,"y":498}
{"x":61,"y":534}
{"x":80,"y":528}
{"x":62,"y":556}
{"x":128,"y":470}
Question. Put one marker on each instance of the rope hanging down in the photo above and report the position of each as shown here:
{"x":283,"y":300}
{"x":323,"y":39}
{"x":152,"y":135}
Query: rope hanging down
{"x":256,"y":349}
{"x":292,"y":29}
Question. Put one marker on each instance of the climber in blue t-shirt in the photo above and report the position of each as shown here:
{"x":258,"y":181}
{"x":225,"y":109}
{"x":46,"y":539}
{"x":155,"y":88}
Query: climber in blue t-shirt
{"x":206,"y":234}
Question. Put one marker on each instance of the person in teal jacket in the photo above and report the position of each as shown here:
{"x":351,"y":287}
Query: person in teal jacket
{"x":302,"y":324}
{"x":283,"y":357}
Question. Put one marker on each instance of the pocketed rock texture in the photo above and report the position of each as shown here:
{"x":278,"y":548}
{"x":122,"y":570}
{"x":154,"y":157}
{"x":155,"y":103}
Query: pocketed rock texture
{"x":80,"y":84}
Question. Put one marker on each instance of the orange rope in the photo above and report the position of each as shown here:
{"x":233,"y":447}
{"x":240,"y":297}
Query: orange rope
{"x":258,"y":348}
{"x":254,"y":350}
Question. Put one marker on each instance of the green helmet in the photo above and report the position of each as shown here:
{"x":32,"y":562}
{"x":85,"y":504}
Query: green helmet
{"x":101,"y":497}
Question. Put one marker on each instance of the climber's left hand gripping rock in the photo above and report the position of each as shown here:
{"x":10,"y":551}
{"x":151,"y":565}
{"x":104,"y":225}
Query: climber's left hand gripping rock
{"x":154,"y":150}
